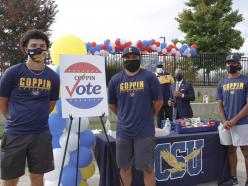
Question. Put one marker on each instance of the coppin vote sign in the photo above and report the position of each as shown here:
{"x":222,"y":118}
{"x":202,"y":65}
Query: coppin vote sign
{"x":83,"y":86}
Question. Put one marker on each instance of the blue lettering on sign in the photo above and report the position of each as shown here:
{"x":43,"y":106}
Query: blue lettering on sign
{"x":88,"y":89}
{"x":173,"y":161}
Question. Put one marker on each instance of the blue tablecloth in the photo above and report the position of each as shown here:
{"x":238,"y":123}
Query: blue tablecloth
{"x":185,"y":159}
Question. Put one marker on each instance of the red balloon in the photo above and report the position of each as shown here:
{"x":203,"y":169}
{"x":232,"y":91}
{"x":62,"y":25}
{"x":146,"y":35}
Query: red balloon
{"x":157,"y":44}
{"x":93,"y":44}
{"x":153,"y":41}
{"x":194,"y":46}
{"x":103,"y":47}
{"x":169,"y":48}
{"x":117,"y":42}
{"x":139,"y":44}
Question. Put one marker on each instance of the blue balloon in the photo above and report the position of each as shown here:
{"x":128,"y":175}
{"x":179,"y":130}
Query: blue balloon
{"x":69,"y":176}
{"x":163,"y":45}
{"x":106,"y":42}
{"x":58,"y":107}
{"x":92,"y":50}
{"x":193,"y":52}
{"x":85,"y":157}
{"x":109,"y":48}
{"x":87,"y":138}
{"x":98,"y":48}
{"x":55,"y":141}
{"x":149,"y":43}
{"x":56,"y":124}
{"x":88,"y":45}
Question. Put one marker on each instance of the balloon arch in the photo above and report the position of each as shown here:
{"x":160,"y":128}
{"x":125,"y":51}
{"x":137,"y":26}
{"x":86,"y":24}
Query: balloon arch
{"x":146,"y":46}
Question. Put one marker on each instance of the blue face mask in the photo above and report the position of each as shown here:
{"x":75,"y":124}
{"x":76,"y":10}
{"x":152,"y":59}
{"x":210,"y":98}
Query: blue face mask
{"x":37,"y":54}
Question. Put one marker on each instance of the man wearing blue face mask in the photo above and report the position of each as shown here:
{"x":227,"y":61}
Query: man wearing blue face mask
{"x":181,"y":93}
{"x":134,"y":95}
{"x":232,"y":97}
{"x":28,"y":92}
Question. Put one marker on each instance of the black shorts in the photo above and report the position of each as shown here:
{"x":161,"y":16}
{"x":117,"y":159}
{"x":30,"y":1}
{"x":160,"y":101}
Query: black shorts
{"x":17,"y":148}
{"x":135,"y":152}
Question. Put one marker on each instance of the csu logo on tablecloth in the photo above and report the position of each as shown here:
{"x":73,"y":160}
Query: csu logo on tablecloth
{"x":87,"y":92}
{"x":173,"y":161}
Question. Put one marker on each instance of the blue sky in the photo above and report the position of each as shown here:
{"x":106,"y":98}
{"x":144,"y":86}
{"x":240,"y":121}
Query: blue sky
{"x":97,"y":20}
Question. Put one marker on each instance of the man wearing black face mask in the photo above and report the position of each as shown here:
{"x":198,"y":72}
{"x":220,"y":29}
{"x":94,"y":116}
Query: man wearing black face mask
{"x":181,"y":93}
{"x":28,"y":92}
{"x":232,"y":97}
{"x":134,"y":95}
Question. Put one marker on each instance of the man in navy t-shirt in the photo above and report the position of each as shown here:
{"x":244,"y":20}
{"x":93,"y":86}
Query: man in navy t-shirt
{"x":232,"y":96}
{"x":134,"y":95}
{"x":28,"y":93}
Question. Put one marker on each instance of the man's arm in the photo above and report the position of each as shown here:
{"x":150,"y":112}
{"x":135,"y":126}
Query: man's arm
{"x":157,"y":106}
{"x":51,"y":106}
{"x":242,"y":113}
{"x":220,"y":106}
{"x":4,"y":106}
{"x":113,"y":108}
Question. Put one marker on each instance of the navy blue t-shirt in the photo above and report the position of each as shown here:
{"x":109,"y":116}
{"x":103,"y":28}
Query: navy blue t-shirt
{"x":233,"y":92}
{"x":28,"y":95}
{"x":134,"y":96}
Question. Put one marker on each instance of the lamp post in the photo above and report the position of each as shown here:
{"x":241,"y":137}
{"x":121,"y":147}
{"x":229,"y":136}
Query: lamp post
{"x":162,"y":37}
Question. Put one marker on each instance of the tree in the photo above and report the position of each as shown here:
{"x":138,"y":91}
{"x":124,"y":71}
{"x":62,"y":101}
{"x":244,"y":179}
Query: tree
{"x":16,"y":17}
{"x":210,"y":25}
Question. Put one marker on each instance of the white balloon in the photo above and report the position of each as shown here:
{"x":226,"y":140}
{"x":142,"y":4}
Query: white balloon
{"x":179,"y":45}
{"x":97,"y":53}
{"x":173,"y":50}
{"x":52,"y":175}
{"x":164,"y":51}
{"x":74,"y":126}
{"x":106,"y":53}
{"x":51,"y":183}
{"x":158,"y":49}
{"x":178,"y":54}
{"x":72,"y":143}
{"x":154,"y":47}
{"x":102,"y":52}
{"x":58,"y":154}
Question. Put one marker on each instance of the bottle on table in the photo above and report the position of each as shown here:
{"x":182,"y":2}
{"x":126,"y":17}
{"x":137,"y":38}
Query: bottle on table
{"x":167,"y":126}
{"x":108,"y":127}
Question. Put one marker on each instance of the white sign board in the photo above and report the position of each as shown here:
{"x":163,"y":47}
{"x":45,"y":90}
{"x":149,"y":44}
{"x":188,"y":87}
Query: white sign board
{"x":83,"y":86}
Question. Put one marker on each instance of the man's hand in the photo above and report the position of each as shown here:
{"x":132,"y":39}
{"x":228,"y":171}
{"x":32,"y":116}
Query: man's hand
{"x":177,"y":94}
{"x":227,"y":124}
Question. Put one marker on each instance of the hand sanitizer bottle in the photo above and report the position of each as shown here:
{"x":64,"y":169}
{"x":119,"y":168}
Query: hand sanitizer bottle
{"x":108,"y":127}
{"x":168,"y":124}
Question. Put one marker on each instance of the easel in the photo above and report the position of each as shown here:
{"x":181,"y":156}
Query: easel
{"x":66,"y":145}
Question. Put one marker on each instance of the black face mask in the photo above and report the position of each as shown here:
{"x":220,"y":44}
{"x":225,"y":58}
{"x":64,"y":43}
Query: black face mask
{"x":232,"y":69}
{"x":131,"y":65}
{"x":179,"y":77}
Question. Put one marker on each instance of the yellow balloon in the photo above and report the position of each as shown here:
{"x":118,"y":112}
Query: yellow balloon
{"x":68,"y":44}
{"x":88,"y":171}
{"x":83,"y":183}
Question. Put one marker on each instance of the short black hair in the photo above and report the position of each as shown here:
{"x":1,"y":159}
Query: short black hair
{"x":33,"y":34}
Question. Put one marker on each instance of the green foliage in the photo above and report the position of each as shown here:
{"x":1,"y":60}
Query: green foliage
{"x":210,"y":25}
{"x":16,"y":17}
